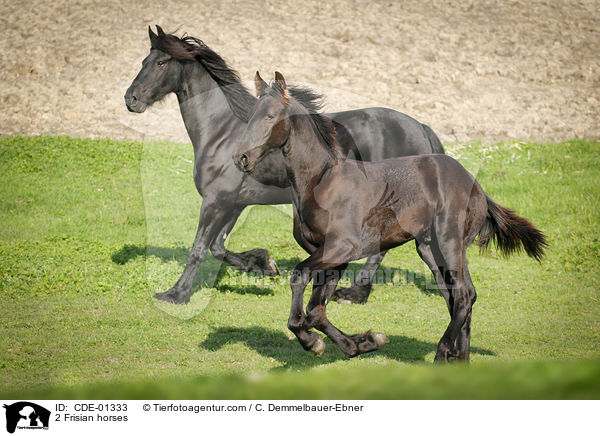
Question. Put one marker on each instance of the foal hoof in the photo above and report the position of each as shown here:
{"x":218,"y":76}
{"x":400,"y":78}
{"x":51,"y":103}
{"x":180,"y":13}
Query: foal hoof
{"x":318,"y":347}
{"x":445,"y":356}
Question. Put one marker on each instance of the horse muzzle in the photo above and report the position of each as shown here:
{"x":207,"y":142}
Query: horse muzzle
{"x":133,"y":103}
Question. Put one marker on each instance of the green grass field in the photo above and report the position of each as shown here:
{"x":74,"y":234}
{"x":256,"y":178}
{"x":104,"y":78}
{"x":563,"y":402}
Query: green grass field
{"x":91,"y":229}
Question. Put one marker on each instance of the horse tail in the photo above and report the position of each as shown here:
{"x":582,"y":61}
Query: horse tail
{"x":510,"y":231}
{"x":434,"y":141}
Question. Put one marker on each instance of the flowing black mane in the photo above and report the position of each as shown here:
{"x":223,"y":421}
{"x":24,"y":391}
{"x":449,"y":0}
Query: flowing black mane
{"x":322,"y":124}
{"x":188,"y":48}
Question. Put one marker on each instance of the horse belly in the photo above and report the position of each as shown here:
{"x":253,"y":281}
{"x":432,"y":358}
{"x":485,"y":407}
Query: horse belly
{"x":396,"y":228}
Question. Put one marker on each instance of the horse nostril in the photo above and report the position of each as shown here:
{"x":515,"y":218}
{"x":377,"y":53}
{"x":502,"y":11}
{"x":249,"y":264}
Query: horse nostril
{"x":133,"y":99}
{"x":244,"y":160}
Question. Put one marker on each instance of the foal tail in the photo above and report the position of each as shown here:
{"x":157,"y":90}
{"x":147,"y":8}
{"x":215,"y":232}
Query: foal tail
{"x":510,"y":231}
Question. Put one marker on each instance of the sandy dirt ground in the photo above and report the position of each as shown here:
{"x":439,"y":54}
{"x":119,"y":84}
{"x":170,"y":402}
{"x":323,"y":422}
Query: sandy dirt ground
{"x":489,"y":70}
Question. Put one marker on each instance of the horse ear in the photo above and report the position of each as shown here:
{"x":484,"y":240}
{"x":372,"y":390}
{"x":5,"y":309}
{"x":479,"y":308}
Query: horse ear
{"x":280,"y":86}
{"x":151,"y":34}
{"x":279,"y":78}
{"x":260,"y":84}
{"x":160,"y":31}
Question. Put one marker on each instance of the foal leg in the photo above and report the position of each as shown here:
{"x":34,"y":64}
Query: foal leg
{"x":437,"y":267}
{"x":425,"y":250}
{"x":325,"y":282}
{"x":363,"y":283}
{"x":463,"y":342}
{"x":449,"y":286}
{"x":300,"y":278}
{"x":453,"y":253}
{"x":256,"y":260}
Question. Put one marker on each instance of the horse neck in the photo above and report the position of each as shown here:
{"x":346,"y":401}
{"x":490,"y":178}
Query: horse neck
{"x":205,"y":111}
{"x":306,"y":157}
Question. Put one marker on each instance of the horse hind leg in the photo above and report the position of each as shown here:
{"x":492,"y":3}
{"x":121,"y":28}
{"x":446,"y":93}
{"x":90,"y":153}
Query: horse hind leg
{"x":460,"y":301}
{"x":445,"y":256}
{"x":360,"y":290}
{"x":463,"y":342}
{"x":256,"y":260}
{"x":425,"y":250}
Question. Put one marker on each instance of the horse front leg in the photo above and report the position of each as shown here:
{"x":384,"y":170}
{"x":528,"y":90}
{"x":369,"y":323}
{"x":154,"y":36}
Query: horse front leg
{"x":256,"y":260}
{"x":213,"y":217}
{"x":360,"y":290}
{"x":325,"y":283}
{"x":310,"y":341}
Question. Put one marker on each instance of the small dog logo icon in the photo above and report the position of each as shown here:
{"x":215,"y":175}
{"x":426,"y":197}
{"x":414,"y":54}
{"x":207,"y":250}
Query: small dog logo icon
{"x":26,"y":415}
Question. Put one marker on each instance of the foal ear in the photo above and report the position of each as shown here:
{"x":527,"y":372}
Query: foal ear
{"x":279,"y":78}
{"x":260,"y":84}
{"x":152,"y":35}
{"x":160,"y":31}
{"x":280,"y":86}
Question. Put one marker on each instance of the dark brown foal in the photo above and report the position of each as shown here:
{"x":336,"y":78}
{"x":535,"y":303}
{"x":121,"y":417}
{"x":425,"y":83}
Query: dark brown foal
{"x":346,"y":210}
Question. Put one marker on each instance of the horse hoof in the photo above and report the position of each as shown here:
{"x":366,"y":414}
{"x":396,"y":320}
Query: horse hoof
{"x":354,"y":295}
{"x":273,"y":268}
{"x":318,"y":347}
{"x":172,"y":296}
{"x":380,"y":339}
{"x":444,"y":356}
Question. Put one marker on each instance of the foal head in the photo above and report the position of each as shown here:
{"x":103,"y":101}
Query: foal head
{"x":269,"y":125}
{"x":279,"y":110}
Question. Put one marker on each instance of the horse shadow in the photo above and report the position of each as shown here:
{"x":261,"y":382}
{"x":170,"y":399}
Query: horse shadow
{"x":167,"y":254}
{"x":210,"y":276}
{"x":276,"y":345}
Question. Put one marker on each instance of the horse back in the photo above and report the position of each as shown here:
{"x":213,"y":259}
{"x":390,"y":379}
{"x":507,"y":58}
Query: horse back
{"x":375,"y":134}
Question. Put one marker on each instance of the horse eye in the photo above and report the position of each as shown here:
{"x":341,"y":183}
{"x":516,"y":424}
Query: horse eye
{"x":270,"y":116}
{"x":161,"y":63}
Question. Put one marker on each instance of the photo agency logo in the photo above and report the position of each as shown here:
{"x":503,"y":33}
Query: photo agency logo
{"x":26,"y":416}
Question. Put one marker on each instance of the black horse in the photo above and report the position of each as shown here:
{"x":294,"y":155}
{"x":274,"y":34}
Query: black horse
{"x":345,"y":210}
{"x":215,"y":107}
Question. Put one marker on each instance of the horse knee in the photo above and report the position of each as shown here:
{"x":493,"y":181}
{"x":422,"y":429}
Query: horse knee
{"x":299,"y":279}
{"x":473,"y":296}
{"x":316,"y":318}
{"x":217,"y":251}
{"x":197,"y":256}
{"x":462,"y":301}
{"x":295,"y":324}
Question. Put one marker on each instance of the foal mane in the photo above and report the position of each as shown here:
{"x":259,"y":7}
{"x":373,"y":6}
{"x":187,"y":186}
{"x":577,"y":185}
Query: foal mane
{"x":189,"y":48}
{"x":322,"y":125}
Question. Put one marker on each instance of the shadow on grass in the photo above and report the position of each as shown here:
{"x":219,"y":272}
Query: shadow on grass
{"x":211,"y":278}
{"x":276,"y":345}
{"x":166,"y":254}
